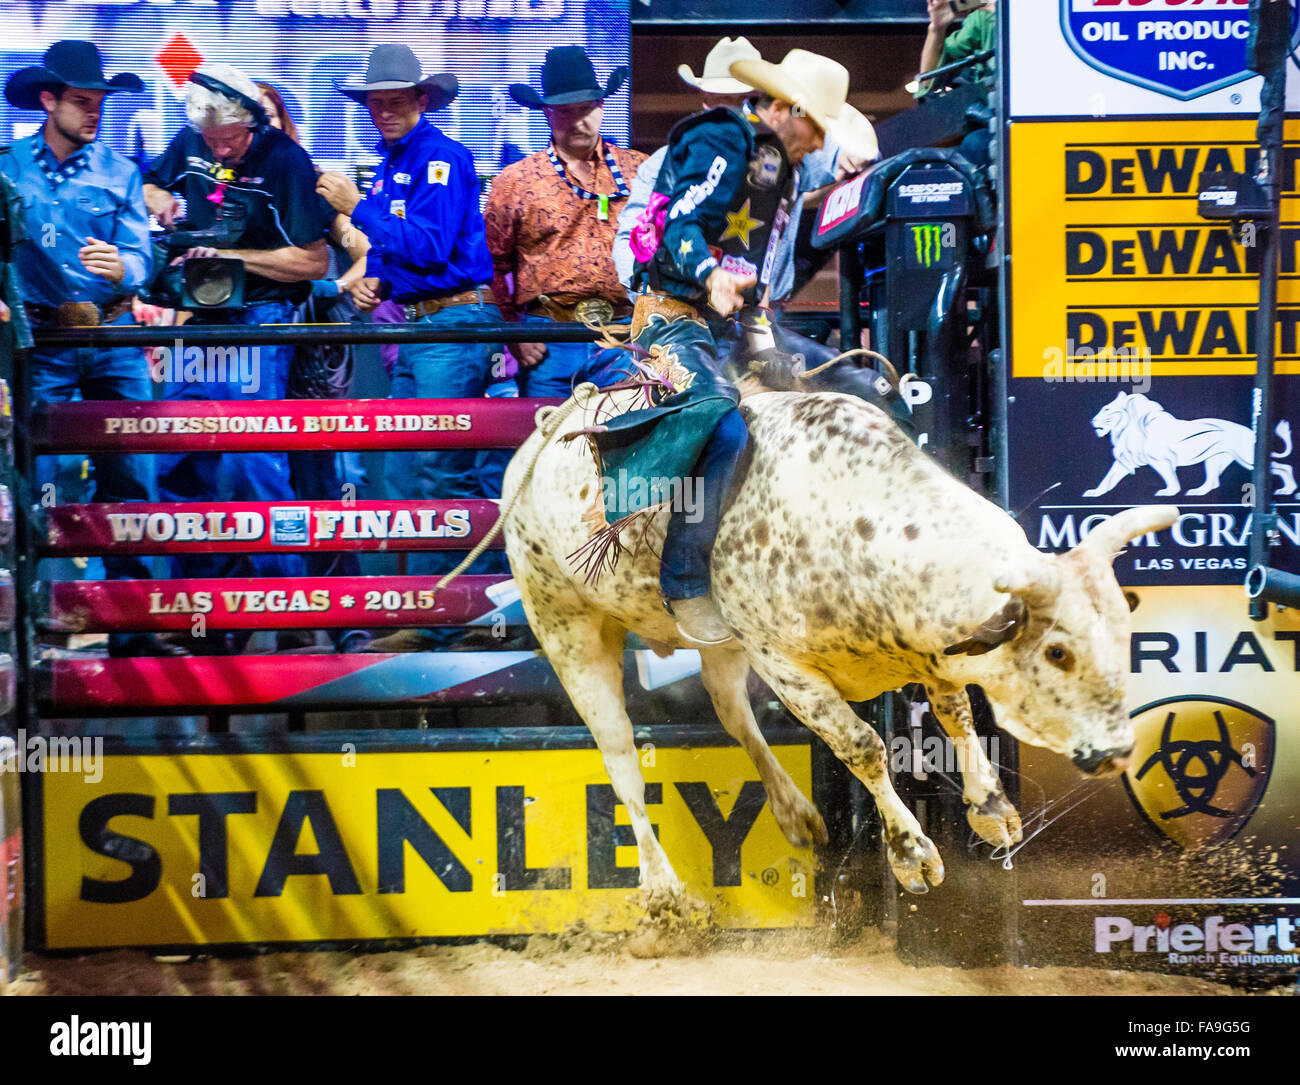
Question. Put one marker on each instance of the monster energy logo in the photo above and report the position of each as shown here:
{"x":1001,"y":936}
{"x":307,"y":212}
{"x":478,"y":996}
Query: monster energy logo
{"x":928,"y":239}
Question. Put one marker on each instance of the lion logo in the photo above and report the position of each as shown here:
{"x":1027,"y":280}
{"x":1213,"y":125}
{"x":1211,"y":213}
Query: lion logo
{"x":1143,"y":434}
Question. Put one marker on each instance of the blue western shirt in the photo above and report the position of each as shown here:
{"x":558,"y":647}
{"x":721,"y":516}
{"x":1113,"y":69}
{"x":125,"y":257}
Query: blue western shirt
{"x":93,"y":193}
{"x":422,"y":218}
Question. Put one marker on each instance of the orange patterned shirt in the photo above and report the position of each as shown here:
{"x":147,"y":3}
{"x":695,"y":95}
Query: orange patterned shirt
{"x":550,"y":240}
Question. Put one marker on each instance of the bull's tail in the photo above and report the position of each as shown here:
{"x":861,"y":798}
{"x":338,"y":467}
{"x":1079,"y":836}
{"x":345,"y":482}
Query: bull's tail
{"x":1283,"y":431}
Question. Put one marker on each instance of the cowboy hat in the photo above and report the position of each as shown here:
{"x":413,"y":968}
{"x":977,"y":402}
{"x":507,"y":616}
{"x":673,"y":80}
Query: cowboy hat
{"x":820,"y":87}
{"x":66,"y":64}
{"x":716,"y":77}
{"x":394,"y":67}
{"x":568,"y":78}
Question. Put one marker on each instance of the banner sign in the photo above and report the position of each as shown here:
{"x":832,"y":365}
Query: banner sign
{"x":260,"y":527}
{"x":1182,"y":48}
{"x":1114,"y":58}
{"x":322,"y":602}
{"x":275,"y":425}
{"x":462,"y":834}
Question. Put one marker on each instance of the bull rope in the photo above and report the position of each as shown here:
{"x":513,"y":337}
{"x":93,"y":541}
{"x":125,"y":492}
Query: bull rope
{"x":548,"y":419}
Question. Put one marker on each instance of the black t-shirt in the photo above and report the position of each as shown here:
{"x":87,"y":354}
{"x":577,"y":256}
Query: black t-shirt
{"x":275,"y":183}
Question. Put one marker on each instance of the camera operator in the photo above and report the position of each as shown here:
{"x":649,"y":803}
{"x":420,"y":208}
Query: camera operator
{"x":235,"y":172}
{"x":85,"y":254}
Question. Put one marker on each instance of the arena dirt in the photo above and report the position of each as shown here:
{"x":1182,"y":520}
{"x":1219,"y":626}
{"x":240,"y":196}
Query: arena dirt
{"x":581,"y":962}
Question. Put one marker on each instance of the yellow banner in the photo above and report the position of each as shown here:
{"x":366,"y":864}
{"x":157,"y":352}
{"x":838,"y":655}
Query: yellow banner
{"x":195,"y":849}
{"x":1109,"y":254}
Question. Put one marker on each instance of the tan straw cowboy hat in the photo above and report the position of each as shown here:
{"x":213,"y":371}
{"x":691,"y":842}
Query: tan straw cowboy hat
{"x":820,"y":87}
{"x":716,"y":77}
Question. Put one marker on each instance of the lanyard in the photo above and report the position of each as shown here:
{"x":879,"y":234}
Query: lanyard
{"x":621,"y":190}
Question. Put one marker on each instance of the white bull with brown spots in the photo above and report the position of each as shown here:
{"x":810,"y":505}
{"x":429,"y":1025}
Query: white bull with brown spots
{"x":848,"y":564}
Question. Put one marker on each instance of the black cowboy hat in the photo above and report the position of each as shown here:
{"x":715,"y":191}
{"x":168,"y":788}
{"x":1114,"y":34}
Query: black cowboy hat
{"x":395,"y":67}
{"x":67,"y":64}
{"x":567,"y":77}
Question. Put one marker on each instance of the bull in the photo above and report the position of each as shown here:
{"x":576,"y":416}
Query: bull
{"x":848,"y":564}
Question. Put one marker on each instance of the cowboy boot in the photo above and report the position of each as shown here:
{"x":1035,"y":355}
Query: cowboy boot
{"x":700,"y":622}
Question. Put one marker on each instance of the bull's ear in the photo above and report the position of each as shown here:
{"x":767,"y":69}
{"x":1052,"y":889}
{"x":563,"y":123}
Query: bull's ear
{"x":1002,"y":627}
{"x":1133,"y":600}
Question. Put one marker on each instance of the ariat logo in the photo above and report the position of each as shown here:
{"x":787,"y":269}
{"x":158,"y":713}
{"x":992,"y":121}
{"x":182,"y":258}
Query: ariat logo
{"x":1200,"y":767}
{"x":928,"y":241}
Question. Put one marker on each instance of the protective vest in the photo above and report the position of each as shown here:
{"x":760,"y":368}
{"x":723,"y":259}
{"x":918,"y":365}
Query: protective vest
{"x":745,"y":242}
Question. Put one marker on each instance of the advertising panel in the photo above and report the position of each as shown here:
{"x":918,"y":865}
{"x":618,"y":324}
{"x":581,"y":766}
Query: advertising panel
{"x":454,"y":839}
{"x":1132,"y":353}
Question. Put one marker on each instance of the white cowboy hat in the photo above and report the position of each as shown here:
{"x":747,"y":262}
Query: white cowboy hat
{"x":716,"y":77}
{"x":820,"y":87}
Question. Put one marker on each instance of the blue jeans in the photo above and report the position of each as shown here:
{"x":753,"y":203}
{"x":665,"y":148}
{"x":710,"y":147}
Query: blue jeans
{"x":553,"y":376}
{"x":92,"y":373}
{"x":684,"y":571}
{"x":443,"y":371}
{"x":243,"y":476}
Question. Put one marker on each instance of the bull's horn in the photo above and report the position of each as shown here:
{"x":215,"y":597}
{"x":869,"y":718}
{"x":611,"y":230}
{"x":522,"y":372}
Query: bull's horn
{"x":1038,"y":586}
{"x":1108,"y":539}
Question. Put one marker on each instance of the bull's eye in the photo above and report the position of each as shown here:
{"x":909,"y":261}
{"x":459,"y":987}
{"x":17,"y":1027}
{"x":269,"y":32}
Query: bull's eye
{"x":1060,"y":656}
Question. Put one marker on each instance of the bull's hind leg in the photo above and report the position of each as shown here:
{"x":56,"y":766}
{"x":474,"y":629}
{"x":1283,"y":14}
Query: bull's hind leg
{"x":811,"y":697}
{"x":586,"y":650}
{"x":988,"y":809}
{"x":725,"y":671}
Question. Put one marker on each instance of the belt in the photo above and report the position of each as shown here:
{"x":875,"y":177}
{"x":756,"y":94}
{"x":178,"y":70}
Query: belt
{"x":428,"y":306}
{"x":80,"y":314}
{"x":649,"y":303}
{"x":586,"y":311}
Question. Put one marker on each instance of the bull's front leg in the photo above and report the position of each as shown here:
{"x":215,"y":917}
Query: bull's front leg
{"x":817,"y":704}
{"x":988,"y":809}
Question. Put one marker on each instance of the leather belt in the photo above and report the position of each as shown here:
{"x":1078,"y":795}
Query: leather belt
{"x":649,"y":303}
{"x":428,"y":306}
{"x":585,"y":311}
{"x":80,"y":314}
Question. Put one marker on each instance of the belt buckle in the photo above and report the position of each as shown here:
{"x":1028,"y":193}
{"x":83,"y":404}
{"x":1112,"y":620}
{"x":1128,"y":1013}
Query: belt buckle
{"x":411,"y":312}
{"x":594,"y":311}
{"x":74,"y":314}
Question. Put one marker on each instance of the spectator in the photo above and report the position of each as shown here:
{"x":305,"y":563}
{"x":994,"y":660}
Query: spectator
{"x":231,"y":155}
{"x":324,"y":371}
{"x":550,"y":220}
{"x":977,"y":33}
{"x":86,"y":253}
{"x":429,"y":255}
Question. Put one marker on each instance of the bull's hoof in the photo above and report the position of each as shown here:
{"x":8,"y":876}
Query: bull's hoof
{"x":995,"y":821}
{"x":915,"y":860}
{"x":673,"y":924}
{"x":800,"y":821}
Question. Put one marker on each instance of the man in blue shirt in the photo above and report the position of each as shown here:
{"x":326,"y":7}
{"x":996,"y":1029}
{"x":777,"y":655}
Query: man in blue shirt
{"x":230,"y":157}
{"x":85,"y":255}
{"x":429,"y":253}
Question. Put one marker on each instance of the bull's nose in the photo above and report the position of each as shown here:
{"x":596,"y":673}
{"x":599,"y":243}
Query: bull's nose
{"x":1103,"y":762}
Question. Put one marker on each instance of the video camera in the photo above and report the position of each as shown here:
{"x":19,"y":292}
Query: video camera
{"x":210,"y":282}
